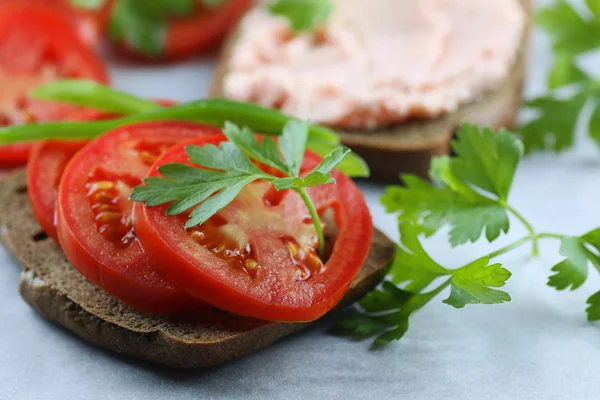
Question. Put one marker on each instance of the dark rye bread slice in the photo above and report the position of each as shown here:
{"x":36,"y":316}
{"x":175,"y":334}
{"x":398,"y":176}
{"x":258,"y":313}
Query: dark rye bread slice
{"x":409,"y":147}
{"x":59,"y":293}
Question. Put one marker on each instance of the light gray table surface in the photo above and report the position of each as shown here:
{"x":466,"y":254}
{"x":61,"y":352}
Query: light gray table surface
{"x":539,"y":346}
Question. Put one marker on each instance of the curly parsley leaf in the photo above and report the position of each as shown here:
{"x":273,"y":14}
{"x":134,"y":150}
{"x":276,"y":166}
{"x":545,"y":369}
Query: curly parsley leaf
{"x":485,"y":161}
{"x":303,"y":15}
{"x":219,"y":174}
{"x":472,"y":284}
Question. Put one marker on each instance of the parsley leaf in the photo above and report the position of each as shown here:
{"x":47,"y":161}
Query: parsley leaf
{"x":303,"y":15}
{"x":571,"y":32}
{"x":471,"y":284}
{"x":385,"y":312}
{"x":143,"y":24}
{"x":593,"y":311}
{"x":573,"y":270}
{"x":220,"y":173}
{"x":554,"y":127}
{"x":412,"y":265}
{"x":485,"y":161}
{"x":565,"y":72}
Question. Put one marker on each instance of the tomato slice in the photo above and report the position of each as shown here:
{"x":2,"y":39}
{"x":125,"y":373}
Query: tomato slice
{"x":257,"y":256}
{"x":199,"y":32}
{"x":95,"y":213}
{"x":46,"y":165}
{"x":38,"y":44}
{"x":44,"y":170}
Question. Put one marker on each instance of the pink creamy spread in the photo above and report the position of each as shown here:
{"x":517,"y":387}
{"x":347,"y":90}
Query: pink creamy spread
{"x":377,"y":62}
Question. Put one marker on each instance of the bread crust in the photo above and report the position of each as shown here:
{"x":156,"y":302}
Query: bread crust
{"x":409,"y":147}
{"x":60,"y":294}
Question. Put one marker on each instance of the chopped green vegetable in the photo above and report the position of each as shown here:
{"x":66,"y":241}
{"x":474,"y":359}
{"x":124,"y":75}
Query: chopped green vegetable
{"x":229,"y":168}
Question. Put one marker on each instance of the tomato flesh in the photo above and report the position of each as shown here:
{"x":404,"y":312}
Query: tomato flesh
{"x":95,"y":225}
{"x":257,"y":256}
{"x":38,"y":44}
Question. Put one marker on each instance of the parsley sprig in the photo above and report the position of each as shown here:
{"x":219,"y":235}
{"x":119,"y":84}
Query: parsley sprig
{"x":220,"y":173}
{"x":573,"y":34}
{"x":469,"y":194}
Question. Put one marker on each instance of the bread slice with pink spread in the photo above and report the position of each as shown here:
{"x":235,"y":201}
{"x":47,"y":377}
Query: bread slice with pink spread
{"x":394,"y":77}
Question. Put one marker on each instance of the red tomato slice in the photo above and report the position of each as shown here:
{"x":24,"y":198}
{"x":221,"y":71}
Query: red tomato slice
{"x":95,"y":214}
{"x":257,"y":256}
{"x":44,"y":170}
{"x":199,"y":32}
{"x":37,"y":44}
{"x":46,"y":165}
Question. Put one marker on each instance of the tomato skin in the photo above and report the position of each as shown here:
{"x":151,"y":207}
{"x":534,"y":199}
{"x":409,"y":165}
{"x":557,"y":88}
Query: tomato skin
{"x":46,"y":165}
{"x":197,"y":33}
{"x":33,"y":33}
{"x":173,"y":253}
{"x":123,"y":271}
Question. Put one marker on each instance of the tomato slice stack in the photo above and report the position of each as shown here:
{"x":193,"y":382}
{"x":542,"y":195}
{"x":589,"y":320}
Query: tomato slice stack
{"x":95,"y":223}
{"x":256,"y":257}
{"x":38,"y":44}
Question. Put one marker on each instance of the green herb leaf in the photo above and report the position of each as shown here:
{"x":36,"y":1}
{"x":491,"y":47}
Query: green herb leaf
{"x":292,"y":144}
{"x":554,"y":127}
{"x":222,"y":172}
{"x":573,"y":271}
{"x":471,"y":284}
{"x":565,"y":72}
{"x":485,"y":161}
{"x":88,"y":4}
{"x":571,"y":33}
{"x":265,"y":152}
{"x":187,"y":186}
{"x":386,"y":314}
{"x":412,"y":265}
{"x":143,"y":24}
{"x":593,"y":311}
{"x":320,"y":175}
{"x":303,"y":15}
